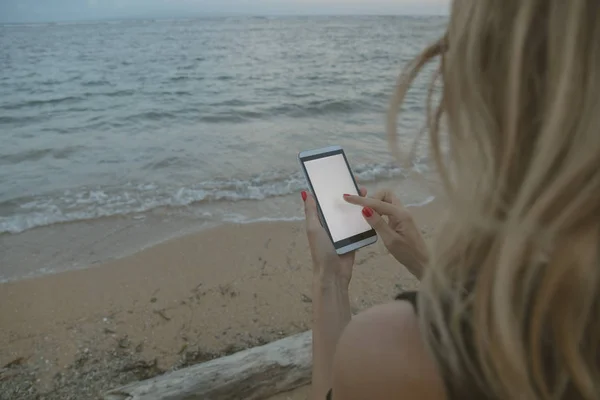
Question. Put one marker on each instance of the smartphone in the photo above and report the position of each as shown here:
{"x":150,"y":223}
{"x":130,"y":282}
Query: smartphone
{"x":329,"y":177}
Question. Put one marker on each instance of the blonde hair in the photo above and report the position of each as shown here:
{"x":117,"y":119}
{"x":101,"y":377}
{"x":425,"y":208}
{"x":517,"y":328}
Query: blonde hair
{"x":511,"y":301}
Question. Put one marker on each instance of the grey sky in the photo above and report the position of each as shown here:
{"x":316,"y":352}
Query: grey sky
{"x":70,"y":10}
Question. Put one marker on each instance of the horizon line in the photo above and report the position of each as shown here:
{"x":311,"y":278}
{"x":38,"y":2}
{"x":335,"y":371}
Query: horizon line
{"x":218,"y":15}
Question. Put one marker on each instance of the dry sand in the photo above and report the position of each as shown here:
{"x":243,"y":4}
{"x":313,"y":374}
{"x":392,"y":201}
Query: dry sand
{"x":78,"y":333}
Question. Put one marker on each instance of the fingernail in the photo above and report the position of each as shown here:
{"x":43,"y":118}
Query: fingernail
{"x":347,"y":195}
{"x":367,"y":212}
{"x":304,"y":195}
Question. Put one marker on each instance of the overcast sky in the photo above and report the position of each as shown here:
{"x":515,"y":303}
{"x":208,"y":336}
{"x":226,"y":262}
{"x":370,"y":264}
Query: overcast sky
{"x":72,"y":10}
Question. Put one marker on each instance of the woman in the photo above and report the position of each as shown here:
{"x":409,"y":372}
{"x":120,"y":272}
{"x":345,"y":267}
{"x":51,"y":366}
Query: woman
{"x":509,"y":301}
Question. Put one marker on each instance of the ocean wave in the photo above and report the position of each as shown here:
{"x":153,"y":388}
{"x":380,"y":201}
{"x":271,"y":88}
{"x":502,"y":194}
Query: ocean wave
{"x":92,"y":203}
{"x":20,"y":120}
{"x":179,"y":78}
{"x":233,"y":111}
{"x":226,"y":111}
{"x":319,"y":107}
{"x":116,"y":93}
{"x":151,"y":116}
{"x":324,"y":107}
{"x":423,"y":203}
{"x":232,"y":103}
{"x":175,"y":93}
{"x":231,"y":116}
{"x":93,"y":83}
{"x":51,"y":82}
{"x":38,"y":154}
{"x":45,"y":102}
{"x":52,"y":102}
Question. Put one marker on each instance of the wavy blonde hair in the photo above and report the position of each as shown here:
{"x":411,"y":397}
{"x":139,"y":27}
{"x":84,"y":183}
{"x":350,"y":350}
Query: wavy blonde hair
{"x":511,"y":301}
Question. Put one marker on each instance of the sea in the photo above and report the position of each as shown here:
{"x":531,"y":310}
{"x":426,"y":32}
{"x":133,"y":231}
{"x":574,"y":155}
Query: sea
{"x":116,"y":124}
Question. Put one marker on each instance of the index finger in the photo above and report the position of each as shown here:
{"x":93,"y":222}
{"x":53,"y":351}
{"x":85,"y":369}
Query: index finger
{"x":379,"y":206}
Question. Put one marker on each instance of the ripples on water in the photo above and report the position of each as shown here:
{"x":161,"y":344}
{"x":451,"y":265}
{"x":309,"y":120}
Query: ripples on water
{"x":103,"y":119}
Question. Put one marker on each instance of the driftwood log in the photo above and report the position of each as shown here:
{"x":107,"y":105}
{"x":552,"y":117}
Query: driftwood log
{"x":252,"y":374}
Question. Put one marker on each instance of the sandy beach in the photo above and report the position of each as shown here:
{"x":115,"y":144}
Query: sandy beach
{"x":184,"y":301}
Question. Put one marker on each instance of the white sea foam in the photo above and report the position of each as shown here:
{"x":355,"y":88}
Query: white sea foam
{"x":242,"y":219}
{"x":92,"y":203}
{"x":423,"y":203}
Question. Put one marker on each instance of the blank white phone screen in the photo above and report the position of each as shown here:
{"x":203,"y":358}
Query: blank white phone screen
{"x":331,"y":179}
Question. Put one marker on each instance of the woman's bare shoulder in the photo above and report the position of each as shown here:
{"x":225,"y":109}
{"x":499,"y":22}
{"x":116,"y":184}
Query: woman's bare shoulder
{"x":381,"y":355}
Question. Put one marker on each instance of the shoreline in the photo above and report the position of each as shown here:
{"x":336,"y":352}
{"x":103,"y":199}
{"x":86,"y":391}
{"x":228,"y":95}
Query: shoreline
{"x":176,"y":303}
{"x":65,"y":246}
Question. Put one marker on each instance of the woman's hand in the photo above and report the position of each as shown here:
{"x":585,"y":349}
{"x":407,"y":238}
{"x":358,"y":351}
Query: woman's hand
{"x":399,"y":233}
{"x":328,"y":266}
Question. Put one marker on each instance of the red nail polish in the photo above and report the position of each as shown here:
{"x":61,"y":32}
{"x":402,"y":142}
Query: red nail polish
{"x":367,"y":212}
{"x":347,"y":195}
{"x":304,"y":195}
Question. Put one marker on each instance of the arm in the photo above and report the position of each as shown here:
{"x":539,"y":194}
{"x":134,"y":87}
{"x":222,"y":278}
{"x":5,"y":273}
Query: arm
{"x":331,"y":304}
{"x":331,"y":314}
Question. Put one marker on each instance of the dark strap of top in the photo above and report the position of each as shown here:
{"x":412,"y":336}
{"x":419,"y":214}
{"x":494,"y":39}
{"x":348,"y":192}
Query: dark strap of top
{"x":411,"y":297}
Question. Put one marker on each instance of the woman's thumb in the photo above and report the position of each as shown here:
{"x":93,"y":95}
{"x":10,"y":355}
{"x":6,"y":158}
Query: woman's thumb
{"x":312,"y":214}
